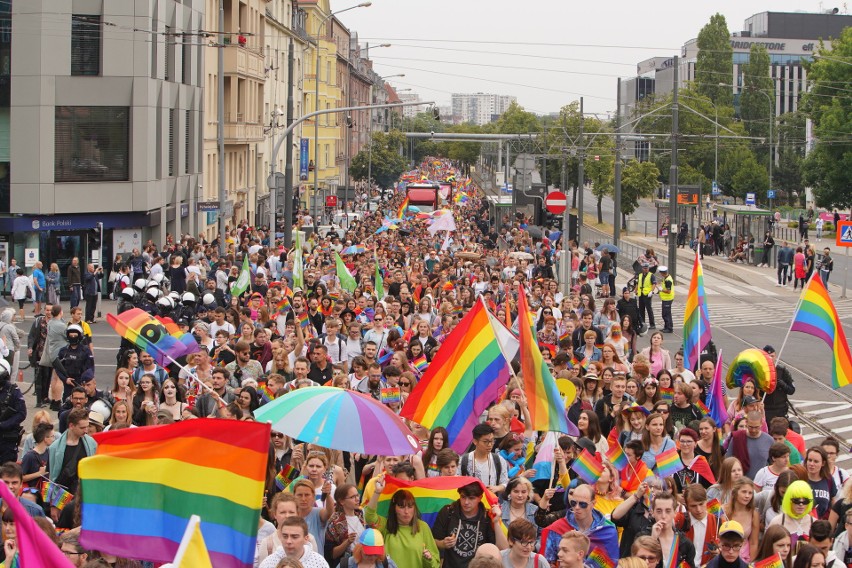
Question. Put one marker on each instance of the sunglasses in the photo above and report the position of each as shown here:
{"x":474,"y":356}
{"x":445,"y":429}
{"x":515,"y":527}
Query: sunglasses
{"x":277,"y":435}
{"x":404,"y":384}
{"x":581,"y":504}
{"x":803,"y":501}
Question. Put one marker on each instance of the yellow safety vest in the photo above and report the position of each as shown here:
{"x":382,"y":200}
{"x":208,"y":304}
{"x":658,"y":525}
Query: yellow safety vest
{"x":666,"y":296}
{"x":646,"y":284}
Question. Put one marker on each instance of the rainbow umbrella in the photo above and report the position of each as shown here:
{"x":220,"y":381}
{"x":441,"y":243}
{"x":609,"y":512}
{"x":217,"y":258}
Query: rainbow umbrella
{"x":339,"y":419}
{"x":355,"y":249}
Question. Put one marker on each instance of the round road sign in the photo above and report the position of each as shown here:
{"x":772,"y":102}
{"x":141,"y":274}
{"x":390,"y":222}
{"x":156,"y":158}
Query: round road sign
{"x":556,"y":202}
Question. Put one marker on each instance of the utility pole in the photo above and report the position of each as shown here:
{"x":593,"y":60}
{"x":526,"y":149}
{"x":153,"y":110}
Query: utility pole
{"x":616,"y":224}
{"x":565,"y":276}
{"x":220,"y":130}
{"x":581,"y":175}
{"x":288,"y":166}
{"x":673,"y":177}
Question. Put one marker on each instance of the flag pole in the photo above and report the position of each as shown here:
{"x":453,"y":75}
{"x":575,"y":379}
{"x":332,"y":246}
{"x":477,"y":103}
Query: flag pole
{"x":790,"y":328}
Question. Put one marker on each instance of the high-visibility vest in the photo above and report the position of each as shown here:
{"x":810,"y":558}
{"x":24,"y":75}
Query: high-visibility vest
{"x":667,"y":296}
{"x":646,"y":284}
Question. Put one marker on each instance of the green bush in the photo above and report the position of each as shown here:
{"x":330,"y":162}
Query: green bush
{"x":793,"y":224}
{"x":828,"y":226}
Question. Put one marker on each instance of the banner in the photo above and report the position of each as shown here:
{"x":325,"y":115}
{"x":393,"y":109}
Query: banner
{"x":303,"y":159}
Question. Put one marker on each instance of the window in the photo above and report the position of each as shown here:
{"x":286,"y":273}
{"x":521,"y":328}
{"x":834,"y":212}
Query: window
{"x":85,"y":45}
{"x":186,"y":141}
{"x":92,"y":143}
{"x":172,"y":148}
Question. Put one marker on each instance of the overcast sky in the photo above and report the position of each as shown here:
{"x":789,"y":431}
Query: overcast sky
{"x":547,"y":53}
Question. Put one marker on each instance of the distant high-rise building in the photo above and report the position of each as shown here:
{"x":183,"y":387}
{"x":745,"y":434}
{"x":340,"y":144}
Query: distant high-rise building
{"x":479,"y":108}
{"x":411,"y":111}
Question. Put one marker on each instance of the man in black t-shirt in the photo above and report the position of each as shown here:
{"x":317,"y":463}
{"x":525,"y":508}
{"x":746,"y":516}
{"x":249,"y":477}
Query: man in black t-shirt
{"x":464,"y":525}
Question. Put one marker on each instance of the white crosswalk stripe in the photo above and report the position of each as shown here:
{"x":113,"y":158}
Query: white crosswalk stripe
{"x":835,"y":416}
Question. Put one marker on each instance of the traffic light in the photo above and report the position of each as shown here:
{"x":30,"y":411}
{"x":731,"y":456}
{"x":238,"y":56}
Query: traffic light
{"x":94,"y":238}
{"x":436,"y":114}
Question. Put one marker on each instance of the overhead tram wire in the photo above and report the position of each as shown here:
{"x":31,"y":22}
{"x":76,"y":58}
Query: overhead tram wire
{"x":608,"y":75}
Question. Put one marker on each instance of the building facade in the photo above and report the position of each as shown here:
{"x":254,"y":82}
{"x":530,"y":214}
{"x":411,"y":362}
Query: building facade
{"x":242,"y":43}
{"x":479,"y":108}
{"x":100,"y":126}
{"x":284,"y":28}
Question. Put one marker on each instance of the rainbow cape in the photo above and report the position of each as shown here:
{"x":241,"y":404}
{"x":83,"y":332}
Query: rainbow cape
{"x":817,"y":316}
{"x":668,"y":463}
{"x":151,"y":336}
{"x":696,"y":319}
{"x":464,"y":378}
{"x":547,"y":411}
{"x":161,"y":475}
{"x":431,"y":494}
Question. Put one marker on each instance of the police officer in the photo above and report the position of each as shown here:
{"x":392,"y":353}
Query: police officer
{"x":13,"y":411}
{"x":645,"y":288}
{"x":667,"y":294}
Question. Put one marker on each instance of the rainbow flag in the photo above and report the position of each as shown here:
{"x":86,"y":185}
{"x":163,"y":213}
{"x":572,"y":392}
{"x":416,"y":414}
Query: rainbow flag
{"x":464,"y":378}
{"x":421,"y":363}
{"x":56,"y":495}
{"x":458,"y":310}
{"x":667,"y":394}
{"x":636,"y":475}
{"x":284,"y":477}
{"x":151,"y":336}
{"x":384,"y":357}
{"x":714,"y":507}
{"x":447,"y":286}
{"x":598,"y":558}
{"x":668,"y":463}
{"x":402,"y":208}
{"x":716,"y":398}
{"x":701,"y":466}
{"x":304,"y":320}
{"x":703,"y":408}
{"x":266,"y":395}
{"x":587,"y":467}
{"x":817,"y":316}
{"x":616,"y":456}
{"x":773,"y":561}
{"x":547,"y":411}
{"x":161,"y":475}
{"x":283,"y":306}
{"x":543,"y":462}
{"x":696,"y":319}
{"x":431,"y":494}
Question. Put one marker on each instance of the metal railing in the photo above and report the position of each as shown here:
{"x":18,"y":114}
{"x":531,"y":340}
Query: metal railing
{"x":628,"y":252}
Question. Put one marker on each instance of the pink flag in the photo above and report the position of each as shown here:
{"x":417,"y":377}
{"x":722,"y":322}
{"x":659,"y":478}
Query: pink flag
{"x":34,"y":547}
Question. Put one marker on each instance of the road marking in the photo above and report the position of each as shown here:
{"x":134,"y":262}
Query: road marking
{"x":760,"y":291}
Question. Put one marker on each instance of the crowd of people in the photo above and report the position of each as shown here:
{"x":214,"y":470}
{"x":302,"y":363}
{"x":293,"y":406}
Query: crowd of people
{"x":762,"y":492}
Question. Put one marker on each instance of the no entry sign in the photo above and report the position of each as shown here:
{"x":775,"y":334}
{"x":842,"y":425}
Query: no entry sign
{"x":556,"y":202}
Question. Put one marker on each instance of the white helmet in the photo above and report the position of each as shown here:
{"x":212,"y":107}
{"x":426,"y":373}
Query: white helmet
{"x":175,"y":296}
{"x":139,"y":284}
{"x":102,"y":408}
{"x":165,"y":303}
{"x":208,"y":299}
{"x":152,"y":294}
{"x":188,"y":299}
{"x":158,"y":278}
{"x":128,"y":293}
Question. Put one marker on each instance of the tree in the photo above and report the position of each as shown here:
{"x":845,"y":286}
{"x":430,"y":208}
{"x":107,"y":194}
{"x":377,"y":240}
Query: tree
{"x":517,"y":121}
{"x":561,"y":137}
{"x":638,"y":180}
{"x":600,"y":163}
{"x":756,"y":109}
{"x":384,"y":162}
{"x":790,"y":144}
{"x":423,"y":122}
{"x":464,"y":152}
{"x":828,"y":167}
{"x":751,"y":177}
{"x":715,"y":61}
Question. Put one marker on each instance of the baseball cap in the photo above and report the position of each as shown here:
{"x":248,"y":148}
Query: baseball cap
{"x":372,"y":541}
{"x":748,"y":399}
{"x":586,"y":444}
{"x":768,"y":349}
{"x":732,"y":527}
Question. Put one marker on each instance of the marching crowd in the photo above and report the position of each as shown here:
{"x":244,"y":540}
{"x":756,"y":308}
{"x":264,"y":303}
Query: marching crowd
{"x":749,"y":488}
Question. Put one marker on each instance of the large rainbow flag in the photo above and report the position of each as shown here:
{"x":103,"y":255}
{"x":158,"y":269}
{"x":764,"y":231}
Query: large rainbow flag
{"x":696,"y":320}
{"x":817,"y":316}
{"x":464,"y":377}
{"x":430,"y":494}
{"x":160,"y":476}
{"x":152,"y":335}
{"x":547,"y":410}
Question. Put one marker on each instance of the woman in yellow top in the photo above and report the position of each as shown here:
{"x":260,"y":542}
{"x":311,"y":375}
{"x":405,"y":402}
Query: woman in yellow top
{"x":408,"y":539}
{"x":608,"y":492}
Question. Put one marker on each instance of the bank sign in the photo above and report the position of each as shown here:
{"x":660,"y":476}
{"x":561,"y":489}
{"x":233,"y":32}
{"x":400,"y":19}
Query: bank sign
{"x":303,"y":159}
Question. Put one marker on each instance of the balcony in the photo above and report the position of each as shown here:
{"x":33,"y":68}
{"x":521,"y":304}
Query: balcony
{"x":239,"y":132}
{"x":240,"y":61}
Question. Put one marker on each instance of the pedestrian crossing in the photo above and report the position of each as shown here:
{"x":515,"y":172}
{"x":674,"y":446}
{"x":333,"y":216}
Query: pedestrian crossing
{"x":835,"y":416}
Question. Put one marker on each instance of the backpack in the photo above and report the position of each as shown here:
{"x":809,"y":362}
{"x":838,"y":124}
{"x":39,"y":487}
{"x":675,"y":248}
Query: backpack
{"x":498,"y":466}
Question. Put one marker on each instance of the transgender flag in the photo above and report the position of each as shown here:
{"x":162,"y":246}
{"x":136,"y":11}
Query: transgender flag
{"x":696,"y":321}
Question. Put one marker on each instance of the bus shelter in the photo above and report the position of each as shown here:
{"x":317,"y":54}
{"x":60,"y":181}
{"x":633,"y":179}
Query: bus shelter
{"x":746,"y":222}
{"x":684,"y":213}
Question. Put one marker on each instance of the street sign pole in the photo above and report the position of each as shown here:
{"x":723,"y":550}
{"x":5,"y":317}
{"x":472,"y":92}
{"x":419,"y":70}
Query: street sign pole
{"x":845,"y":274}
{"x":843,"y":238}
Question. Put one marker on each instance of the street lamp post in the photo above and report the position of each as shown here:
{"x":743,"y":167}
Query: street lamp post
{"x":322,"y":22}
